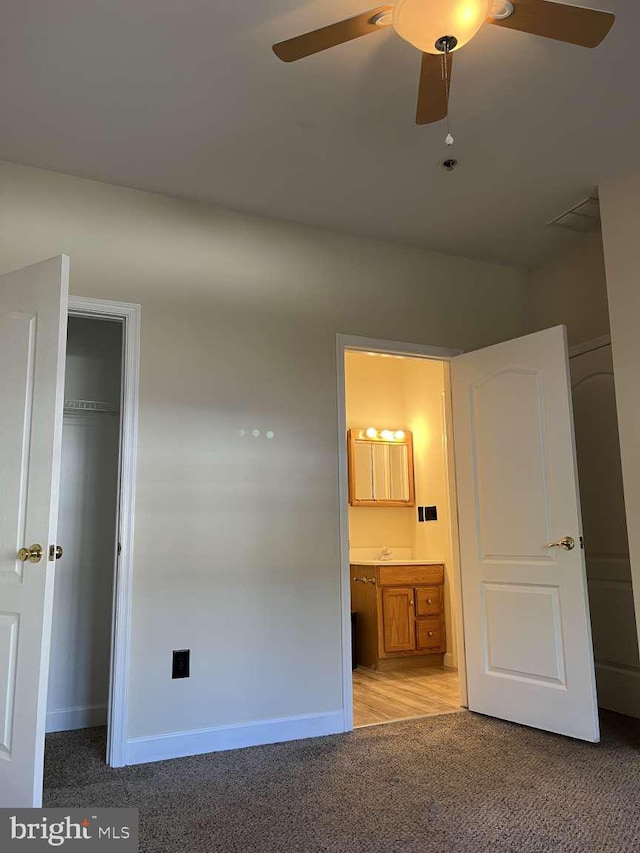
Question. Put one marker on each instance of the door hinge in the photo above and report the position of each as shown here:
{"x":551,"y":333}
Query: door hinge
{"x":119,"y":548}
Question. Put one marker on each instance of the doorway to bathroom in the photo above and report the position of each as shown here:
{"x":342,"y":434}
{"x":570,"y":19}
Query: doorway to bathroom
{"x":401,"y":554}
{"x":522,"y":643}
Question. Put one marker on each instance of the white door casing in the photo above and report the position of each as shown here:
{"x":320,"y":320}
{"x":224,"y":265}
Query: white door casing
{"x":33,"y":321}
{"x":526,"y":614}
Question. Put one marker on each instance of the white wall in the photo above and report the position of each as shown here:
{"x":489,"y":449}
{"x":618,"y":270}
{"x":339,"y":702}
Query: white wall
{"x":620,"y":209}
{"x":571,"y":289}
{"x":82,"y":603}
{"x":236,"y":544}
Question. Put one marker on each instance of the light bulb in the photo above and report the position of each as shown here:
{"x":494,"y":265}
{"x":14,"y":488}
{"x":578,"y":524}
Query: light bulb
{"x":371,"y":433}
{"x":398,"y":434}
{"x":422,"y":23}
{"x":387,"y":435}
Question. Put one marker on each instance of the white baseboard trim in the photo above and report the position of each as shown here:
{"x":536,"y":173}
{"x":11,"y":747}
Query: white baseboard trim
{"x":81,"y":717}
{"x":449,"y":660}
{"x":618,"y":688}
{"x":180,"y":744}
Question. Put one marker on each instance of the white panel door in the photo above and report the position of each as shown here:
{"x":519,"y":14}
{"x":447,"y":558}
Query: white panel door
{"x":526,"y":612}
{"x":33,"y":321}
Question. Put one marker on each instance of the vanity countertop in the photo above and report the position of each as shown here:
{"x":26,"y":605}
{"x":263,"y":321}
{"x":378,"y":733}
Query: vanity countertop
{"x":397,"y":562}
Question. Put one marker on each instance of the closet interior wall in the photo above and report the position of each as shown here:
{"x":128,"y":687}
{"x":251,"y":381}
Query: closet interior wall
{"x":83,"y":596}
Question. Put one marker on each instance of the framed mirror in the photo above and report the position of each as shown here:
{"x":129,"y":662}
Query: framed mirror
{"x":380,"y":467}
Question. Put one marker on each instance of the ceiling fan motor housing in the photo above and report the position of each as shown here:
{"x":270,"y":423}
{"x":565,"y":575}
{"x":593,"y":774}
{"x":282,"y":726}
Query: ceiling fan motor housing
{"x":445,"y":44}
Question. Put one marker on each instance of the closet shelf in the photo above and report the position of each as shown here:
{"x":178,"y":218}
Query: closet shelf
{"x":91,"y":406}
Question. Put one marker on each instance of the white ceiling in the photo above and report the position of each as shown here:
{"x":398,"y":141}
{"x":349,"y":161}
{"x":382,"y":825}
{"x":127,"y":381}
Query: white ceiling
{"x":185,"y":97}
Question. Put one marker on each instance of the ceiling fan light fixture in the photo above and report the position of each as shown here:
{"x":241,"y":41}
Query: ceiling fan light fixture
{"x":423,"y":24}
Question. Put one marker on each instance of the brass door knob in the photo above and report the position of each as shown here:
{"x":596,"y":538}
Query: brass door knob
{"x":567,"y":542}
{"x":33,"y":554}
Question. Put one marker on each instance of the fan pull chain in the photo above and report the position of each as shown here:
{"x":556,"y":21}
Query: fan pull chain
{"x":445,"y":76}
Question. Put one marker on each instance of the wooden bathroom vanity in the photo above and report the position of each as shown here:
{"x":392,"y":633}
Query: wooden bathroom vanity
{"x":400,"y":614}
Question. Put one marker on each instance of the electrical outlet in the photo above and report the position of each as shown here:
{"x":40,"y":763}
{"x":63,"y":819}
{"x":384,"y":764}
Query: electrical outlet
{"x":180,"y":665}
{"x":427,"y":513}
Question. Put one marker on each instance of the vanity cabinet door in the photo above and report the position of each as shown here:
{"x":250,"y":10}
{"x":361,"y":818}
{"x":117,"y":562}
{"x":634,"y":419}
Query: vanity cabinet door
{"x":398,"y":618}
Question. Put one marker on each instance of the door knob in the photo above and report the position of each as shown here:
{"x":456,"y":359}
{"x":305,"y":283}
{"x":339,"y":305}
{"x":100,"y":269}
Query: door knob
{"x":55,"y":552}
{"x":566,"y":542}
{"x":33,"y":554}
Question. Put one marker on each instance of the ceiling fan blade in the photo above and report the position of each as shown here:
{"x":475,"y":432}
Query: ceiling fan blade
{"x":334,"y":34}
{"x":433,"y":101}
{"x":571,"y":24}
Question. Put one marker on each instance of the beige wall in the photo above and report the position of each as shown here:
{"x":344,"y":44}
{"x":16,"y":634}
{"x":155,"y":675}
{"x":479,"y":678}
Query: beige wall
{"x":236,"y":542}
{"x":374,"y":390}
{"x":571,"y":290}
{"x":404,"y":393}
{"x":620,"y":208}
{"x":423,"y":383}
{"x":424,"y":387}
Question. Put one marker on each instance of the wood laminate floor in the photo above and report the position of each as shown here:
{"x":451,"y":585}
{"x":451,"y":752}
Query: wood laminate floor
{"x":381,"y":697}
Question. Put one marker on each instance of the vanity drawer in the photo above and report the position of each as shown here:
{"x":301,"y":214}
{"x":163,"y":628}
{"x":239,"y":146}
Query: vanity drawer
{"x":428,"y":600}
{"x":410,"y":575}
{"x":430,"y":634}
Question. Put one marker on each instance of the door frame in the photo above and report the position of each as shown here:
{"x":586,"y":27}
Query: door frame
{"x":354,"y":343}
{"x":117,"y":710}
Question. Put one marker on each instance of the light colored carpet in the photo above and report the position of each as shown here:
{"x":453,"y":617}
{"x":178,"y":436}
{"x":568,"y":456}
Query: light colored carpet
{"x":459,"y":783}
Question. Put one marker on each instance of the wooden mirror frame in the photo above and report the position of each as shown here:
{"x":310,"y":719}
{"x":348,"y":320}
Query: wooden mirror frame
{"x":354,"y":435}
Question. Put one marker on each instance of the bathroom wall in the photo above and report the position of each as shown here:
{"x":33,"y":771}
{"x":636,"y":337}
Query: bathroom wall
{"x":402,"y":393}
{"x":423,"y":383}
{"x":375,"y":397}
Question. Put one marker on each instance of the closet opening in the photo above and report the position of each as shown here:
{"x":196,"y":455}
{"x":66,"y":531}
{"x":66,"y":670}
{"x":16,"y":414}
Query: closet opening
{"x":89,"y":653}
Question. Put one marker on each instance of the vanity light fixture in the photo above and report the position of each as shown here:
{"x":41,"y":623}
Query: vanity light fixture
{"x":374,"y":434}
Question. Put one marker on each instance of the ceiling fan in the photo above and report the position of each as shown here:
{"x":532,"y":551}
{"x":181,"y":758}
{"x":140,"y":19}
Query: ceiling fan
{"x":440,"y":27}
